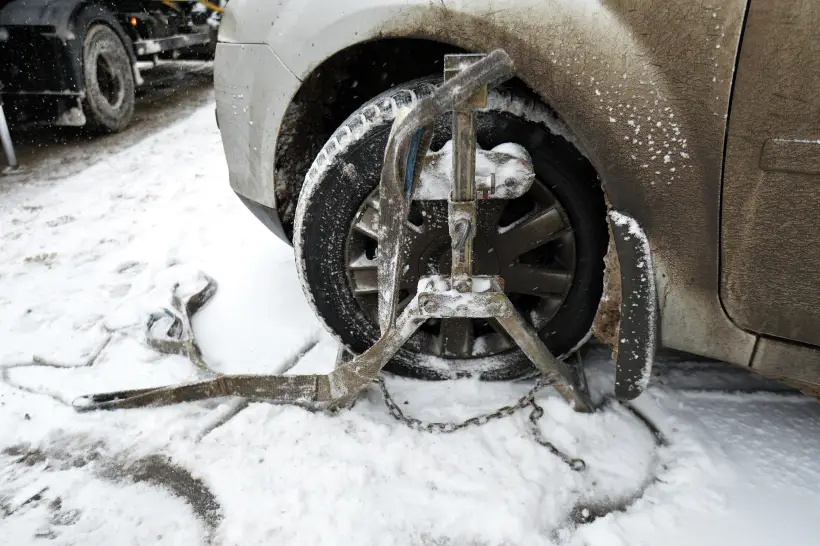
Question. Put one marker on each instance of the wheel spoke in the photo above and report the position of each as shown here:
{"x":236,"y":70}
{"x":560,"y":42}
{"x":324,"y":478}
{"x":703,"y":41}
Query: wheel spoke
{"x":537,"y":281}
{"x":544,"y":311}
{"x":489,"y":213}
{"x":499,"y":340}
{"x":403,"y":303}
{"x":494,"y":343}
{"x":365,"y":277}
{"x":494,"y":324}
{"x":456,"y":337}
{"x":365,"y":280}
{"x":529,"y":233}
{"x":368,"y":221}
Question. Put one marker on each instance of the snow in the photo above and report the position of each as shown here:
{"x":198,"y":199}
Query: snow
{"x":800,"y":140}
{"x":508,"y":166}
{"x":91,"y":255}
{"x":531,"y":111}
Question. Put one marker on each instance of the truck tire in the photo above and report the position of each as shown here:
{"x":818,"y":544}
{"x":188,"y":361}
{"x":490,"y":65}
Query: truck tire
{"x":109,"y":80}
{"x":335,"y":243}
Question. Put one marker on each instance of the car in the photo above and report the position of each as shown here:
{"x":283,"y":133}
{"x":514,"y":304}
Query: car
{"x":697,"y":119}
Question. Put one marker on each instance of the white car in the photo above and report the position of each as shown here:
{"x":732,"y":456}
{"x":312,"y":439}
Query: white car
{"x":620,"y":104}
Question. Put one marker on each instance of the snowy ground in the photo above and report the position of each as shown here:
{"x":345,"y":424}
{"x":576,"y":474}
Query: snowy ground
{"x":89,"y":256}
{"x":172,"y":90}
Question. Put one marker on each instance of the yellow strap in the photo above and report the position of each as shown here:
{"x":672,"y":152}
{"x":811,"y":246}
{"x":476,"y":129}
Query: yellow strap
{"x":211,"y":6}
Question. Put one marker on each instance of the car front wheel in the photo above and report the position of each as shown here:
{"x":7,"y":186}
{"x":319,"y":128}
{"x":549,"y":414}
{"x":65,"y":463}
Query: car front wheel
{"x":548,"y":245}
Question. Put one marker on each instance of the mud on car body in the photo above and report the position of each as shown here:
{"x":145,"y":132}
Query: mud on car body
{"x":697,"y":120}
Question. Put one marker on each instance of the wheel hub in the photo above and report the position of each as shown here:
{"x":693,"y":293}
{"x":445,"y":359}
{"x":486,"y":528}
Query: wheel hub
{"x":528,"y":241}
{"x":109,"y":82}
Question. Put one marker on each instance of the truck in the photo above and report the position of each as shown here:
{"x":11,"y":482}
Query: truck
{"x":75,"y":62}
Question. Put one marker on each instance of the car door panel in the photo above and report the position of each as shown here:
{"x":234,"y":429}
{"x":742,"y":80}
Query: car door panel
{"x":771,"y":192}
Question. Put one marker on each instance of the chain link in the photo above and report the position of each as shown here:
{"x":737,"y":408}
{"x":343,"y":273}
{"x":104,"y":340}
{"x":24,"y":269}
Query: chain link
{"x":505,"y":411}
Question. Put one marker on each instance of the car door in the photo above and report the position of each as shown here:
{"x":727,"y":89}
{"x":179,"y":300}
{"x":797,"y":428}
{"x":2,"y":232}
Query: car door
{"x":771,"y":190}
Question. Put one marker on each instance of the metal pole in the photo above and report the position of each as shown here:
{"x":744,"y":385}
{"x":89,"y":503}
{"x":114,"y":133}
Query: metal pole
{"x":5,"y":137}
{"x":462,"y":215}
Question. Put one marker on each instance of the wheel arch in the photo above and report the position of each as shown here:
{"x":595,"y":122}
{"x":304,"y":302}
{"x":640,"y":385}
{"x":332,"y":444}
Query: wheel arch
{"x":643,"y":89}
{"x":410,"y":43}
{"x":338,"y":86}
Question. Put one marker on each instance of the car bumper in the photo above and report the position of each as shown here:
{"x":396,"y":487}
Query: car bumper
{"x":253,"y":90}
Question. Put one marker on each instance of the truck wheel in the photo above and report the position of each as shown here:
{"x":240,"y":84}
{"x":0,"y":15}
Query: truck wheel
{"x":109,"y":80}
{"x":548,"y":244}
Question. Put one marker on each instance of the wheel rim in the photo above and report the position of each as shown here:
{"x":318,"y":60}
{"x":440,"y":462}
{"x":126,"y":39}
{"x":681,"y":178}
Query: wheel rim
{"x":109,"y":81}
{"x":529,"y":241}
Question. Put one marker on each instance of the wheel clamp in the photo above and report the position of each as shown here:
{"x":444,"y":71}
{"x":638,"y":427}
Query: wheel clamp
{"x":458,"y":295}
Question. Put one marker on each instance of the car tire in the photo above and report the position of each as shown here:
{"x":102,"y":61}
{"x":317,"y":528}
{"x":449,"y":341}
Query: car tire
{"x":109,"y":80}
{"x":347,"y":172}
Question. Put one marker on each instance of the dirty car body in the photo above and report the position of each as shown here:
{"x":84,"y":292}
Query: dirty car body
{"x":700,"y":121}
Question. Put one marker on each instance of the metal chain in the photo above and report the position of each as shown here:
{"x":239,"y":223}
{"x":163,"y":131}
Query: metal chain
{"x":527,"y":400}
{"x":537,"y":412}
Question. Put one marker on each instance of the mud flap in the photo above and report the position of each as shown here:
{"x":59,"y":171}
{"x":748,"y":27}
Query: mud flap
{"x":637,"y":332}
